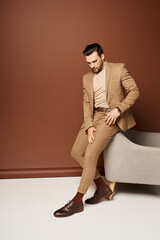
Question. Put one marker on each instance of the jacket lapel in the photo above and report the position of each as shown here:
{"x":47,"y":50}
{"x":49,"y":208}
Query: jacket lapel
{"x":108,"y":72}
{"x":90,"y":82}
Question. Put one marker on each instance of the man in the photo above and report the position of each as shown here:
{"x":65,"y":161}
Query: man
{"x":106,"y":110}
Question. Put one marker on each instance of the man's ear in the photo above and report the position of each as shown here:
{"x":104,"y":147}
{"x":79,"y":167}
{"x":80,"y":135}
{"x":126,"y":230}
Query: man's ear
{"x":102,"y":56}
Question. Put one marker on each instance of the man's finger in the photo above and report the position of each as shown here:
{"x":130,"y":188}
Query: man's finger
{"x":107,"y":118}
{"x":92,"y":136}
{"x":110,"y":120}
{"x":89,"y":139}
{"x":114,"y":121}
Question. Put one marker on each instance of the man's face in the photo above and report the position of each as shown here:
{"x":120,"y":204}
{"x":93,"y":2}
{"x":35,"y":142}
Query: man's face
{"x":95,"y":62}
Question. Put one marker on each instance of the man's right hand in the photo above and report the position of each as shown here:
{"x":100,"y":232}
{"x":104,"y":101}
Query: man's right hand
{"x":91,"y":130}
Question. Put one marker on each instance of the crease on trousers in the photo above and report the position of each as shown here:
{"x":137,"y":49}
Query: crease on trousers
{"x":87,"y":154}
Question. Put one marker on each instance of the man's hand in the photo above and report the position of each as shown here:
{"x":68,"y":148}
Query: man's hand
{"x":91,"y":130}
{"x":112,"y":116}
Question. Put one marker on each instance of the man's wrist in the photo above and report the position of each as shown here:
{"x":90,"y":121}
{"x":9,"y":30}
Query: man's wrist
{"x":88,"y":128}
{"x":119,"y":110}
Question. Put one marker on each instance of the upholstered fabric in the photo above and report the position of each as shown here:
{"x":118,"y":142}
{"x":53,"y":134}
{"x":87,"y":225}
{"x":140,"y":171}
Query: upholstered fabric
{"x":133,"y":157}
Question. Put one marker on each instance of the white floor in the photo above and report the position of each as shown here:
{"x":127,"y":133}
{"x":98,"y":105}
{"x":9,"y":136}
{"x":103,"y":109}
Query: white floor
{"x":27,"y":206}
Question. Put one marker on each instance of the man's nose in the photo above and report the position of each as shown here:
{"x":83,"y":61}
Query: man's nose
{"x":92,"y":65}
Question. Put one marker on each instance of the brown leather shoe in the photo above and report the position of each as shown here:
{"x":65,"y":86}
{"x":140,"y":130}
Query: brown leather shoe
{"x":69,"y":209}
{"x":99,"y":195}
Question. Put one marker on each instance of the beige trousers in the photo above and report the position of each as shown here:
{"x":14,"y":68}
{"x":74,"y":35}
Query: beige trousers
{"x":86,"y":154}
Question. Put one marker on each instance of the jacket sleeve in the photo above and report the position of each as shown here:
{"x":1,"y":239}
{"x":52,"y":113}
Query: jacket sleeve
{"x":131,"y":88}
{"x":88,"y":122}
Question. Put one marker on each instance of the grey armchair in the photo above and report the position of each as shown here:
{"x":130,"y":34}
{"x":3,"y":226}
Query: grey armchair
{"x":133,"y":157}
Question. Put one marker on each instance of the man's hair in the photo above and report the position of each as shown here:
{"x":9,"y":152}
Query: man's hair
{"x":91,"y":48}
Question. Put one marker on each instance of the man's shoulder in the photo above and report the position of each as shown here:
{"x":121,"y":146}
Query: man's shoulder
{"x":115,"y":65}
{"x":87,"y":76}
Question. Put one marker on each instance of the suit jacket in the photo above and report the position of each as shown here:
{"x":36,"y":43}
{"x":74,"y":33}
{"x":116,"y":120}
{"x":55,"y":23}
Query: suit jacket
{"x":118,"y":81}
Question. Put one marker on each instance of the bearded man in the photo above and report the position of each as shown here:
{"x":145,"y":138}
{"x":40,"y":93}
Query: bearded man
{"x":106,"y":110}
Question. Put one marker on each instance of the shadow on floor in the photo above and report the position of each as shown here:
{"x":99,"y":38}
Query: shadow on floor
{"x":131,"y":188}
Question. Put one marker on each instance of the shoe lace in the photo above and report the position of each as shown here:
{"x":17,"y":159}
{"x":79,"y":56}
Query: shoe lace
{"x":67,"y":202}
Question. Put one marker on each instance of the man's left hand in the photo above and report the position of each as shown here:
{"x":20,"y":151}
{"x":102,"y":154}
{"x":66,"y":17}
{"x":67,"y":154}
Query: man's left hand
{"x":112,"y":116}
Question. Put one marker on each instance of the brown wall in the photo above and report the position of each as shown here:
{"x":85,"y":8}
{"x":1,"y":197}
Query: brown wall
{"x":42,"y":68}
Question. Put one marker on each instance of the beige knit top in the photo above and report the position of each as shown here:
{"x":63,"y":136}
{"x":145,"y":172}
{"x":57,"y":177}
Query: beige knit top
{"x":99,"y":88}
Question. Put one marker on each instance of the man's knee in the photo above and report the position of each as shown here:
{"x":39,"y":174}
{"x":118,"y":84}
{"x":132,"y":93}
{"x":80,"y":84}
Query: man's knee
{"x":73,"y":152}
{"x":91,"y":157}
{"x":76,"y":154}
{"x":92,"y":152}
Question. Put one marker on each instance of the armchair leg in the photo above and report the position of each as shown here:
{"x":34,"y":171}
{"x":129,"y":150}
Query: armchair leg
{"x":112,"y":186}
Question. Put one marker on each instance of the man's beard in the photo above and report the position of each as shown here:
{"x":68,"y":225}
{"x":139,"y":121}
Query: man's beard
{"x":100,"y":68}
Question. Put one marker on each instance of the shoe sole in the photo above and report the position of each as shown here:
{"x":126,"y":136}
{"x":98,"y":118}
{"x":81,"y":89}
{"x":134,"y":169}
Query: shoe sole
{"x":67,"y":215}
{"x":108,"y":196}
{"x":104,"y":196}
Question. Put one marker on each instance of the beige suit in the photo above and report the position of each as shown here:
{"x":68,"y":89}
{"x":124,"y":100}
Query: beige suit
{"x":118,"y":80}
